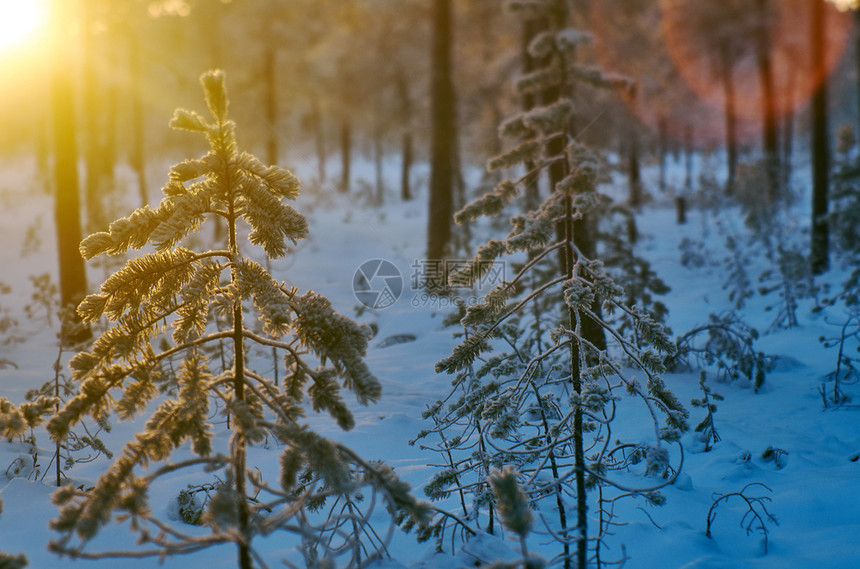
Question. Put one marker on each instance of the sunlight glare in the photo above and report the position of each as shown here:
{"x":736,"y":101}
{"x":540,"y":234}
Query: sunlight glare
{"x":20,"y":21}
{"x":844,"y":5}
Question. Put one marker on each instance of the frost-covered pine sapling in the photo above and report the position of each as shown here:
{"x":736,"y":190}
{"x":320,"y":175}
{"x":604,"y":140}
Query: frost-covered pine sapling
{"x":550,"y":412}
{"x":847,"y":370}
{"x":706,"y":428}
{"x":167,"y":299}
{"x":791,"y":279}
{"x":728,"y":343}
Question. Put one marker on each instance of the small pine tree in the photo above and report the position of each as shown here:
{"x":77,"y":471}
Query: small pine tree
{"x":548,"y":407}
{"x":706,"y":428}
{"x":171,"y":298}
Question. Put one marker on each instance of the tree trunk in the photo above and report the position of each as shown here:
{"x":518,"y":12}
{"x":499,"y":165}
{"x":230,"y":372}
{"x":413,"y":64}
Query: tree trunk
{"x":688,"y":157}
{"x":579,"y":233}
{"x":531,"y":191}
{"x":378,"y":151}
{"x":109,"y":152}
{"x":634,"y":177}
{"x":819,"y":143}
{"x":43,"y":151}
{"x":770,"y":144}
{"x":269,"y":62}
{"x":238,"y":444}
{"x":727,"y":72}
{"x":788,"y":124}
{"x":442,"y":146}
{"x":405,"y":187}
{"x":857,"y":64}
{"x":345,"y":153}
{"x":663,"y":134}
{"x":67,"y":209}
{"x":138,"y":160}
{"x":319,"y":137}
{"x":578,"y":439}
{"x":93,"y":116}
{"x":406,"y":141}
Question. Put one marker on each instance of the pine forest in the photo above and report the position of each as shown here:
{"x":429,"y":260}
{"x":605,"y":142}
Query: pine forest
{"x":430,"y":284}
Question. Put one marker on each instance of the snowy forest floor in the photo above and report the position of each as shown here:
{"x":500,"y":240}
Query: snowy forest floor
{"x":813,"y":485}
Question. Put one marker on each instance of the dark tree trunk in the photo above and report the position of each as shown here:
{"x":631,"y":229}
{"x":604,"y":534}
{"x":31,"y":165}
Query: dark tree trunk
{"x":269,"y":61}
{"x":727,"y":72}
{"x":406,"y":141}
{"x":788,"y":123}
{"x":663,"y":134}
{"x":67,"y":209}
{"x":579,"y":232}
{"x":634,"y":178}
{"x":238,"y":443}
{"x":345,"y":153}
{"x":820,"y":147}
{"x":531,"y":192}
{"x":688,"y":157}
{"x":319,"y":138}
{"x":770,"y":144}
{"x":461,"y":235}
{"x":442,"y":146}
{"x":857,"y":64}
{"x":43,"y":151}
{"x":138,"y":159}
{"x":93,"y":117}
{"x":378,"y":153}
{"x":109,"y":148}
{"x":406,"y":167}
{"x":680,"y":210}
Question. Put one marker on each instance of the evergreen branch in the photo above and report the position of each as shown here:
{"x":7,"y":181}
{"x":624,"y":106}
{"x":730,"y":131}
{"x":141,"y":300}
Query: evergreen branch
{"x":277,"y":179}
{"x":513,"y":310}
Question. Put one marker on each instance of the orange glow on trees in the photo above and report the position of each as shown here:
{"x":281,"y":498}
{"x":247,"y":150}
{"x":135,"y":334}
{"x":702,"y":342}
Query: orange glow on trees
{"x":691,"y":39}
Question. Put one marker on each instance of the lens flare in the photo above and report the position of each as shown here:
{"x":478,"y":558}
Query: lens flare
{"x":683,"y":72}
{"x":20,"y":22}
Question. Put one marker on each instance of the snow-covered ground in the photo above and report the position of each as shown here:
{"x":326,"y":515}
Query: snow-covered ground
{"x":813,"y":491}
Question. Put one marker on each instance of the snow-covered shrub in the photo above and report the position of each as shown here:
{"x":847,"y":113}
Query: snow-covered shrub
{"x":727,"y":343}
{"x":171,"y":299}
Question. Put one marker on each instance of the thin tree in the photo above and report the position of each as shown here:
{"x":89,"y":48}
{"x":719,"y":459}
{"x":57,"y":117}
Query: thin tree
{"x":123,"y":373}
{"x":443,"y":144}
{"x":819,"y":144}
{"x":520,"y":400}
{"x":764,"y":63}
{"x":407,"y":144}
{"x":67,"y":205}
